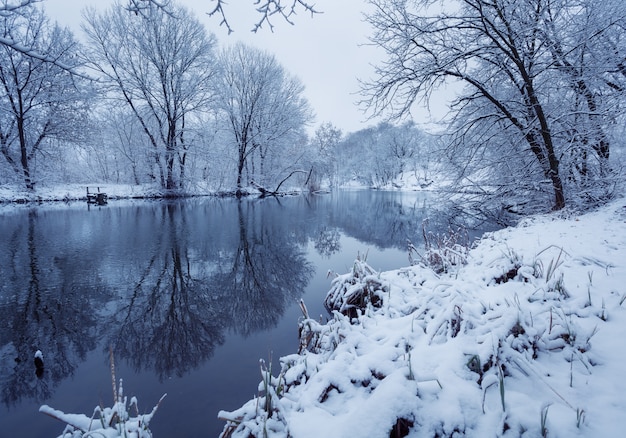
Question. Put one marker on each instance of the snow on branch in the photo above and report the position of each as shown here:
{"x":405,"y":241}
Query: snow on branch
{"x":140,"y":6}
{"x":10,"y":7}
{"x":28,"y":51}
{"x":267,"y":9}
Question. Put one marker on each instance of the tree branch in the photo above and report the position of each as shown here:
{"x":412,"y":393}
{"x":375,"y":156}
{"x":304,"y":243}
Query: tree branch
{"x":267,"y":9}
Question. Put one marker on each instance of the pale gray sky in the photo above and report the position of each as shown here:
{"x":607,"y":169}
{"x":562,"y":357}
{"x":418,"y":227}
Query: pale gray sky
{"x":326,"y":52}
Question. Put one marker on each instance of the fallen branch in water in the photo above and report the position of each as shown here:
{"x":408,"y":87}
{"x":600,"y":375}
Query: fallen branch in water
{"x":275,"y":192}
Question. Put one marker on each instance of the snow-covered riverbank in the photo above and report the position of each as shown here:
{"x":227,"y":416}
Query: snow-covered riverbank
{"x":526,"y":339}
{"x":78,"y":192}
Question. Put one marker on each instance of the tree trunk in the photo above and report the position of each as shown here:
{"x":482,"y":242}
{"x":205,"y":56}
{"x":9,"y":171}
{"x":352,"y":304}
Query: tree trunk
{"x":240,"y":165}
{"x":24,"y":154}
{"x":170,"y":183}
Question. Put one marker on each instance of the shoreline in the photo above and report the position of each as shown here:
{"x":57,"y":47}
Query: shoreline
{"x":10,"y":194}
{"x":521,"y":340}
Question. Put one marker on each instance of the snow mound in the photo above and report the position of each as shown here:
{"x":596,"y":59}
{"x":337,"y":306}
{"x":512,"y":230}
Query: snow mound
{"x":525,"y":339}
{"x":113,"y":422}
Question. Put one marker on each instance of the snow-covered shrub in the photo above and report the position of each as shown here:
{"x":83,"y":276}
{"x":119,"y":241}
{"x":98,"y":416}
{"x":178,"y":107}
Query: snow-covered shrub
{"x":316,"y":337}
{"x":113,"y":422}
{"x":262,"y":416}
{"x":442,"y":251}
{"x":355,"y":291}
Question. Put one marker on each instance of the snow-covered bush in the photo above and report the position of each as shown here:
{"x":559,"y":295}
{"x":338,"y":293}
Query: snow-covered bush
{"x":441,"y":251}
{"x":109,"y":422}
{"x":355,"y":291}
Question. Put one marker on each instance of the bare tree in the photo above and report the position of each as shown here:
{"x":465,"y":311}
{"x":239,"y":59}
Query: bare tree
{"x":581,"y":39}
{"x":162,"y":68}
{"x":323,"y":153}
{"x":512,"y":62}
{"x":39,"y":100}
{"x":262,"y":104}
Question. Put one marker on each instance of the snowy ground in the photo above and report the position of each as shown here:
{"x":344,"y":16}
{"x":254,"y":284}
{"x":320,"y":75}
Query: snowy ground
{"x":74,"y":192}
{"x":526,"y":339}
{"x":10,"y":193}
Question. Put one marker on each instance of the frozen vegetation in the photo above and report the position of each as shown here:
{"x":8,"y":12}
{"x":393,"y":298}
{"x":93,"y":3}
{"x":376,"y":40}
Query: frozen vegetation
{"x":110,"y":422}
{"x":521,"y":335}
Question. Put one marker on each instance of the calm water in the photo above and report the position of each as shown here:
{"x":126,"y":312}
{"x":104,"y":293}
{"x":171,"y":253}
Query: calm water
{"x":188,"y":294}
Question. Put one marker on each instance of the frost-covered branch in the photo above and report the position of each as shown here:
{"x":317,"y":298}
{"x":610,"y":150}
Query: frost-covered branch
{"x":10,"y":7}
{"x":28,"y":51}
{"x":267,"y":9}
{"x":139,"y":7}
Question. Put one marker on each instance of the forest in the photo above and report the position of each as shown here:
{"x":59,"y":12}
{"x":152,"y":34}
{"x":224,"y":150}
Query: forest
{"x":147,"y":95}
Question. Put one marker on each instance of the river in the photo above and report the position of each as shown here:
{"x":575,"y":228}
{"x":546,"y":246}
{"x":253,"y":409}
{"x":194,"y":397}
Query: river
{"x":188,"y":294}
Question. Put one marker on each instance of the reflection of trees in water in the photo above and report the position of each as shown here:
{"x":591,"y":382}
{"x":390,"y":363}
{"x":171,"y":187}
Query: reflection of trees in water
{"x":327,"y":241}
{"x":169,"y":321}
{"x":267,"y":270}
{"x":383,"y":219}
{"x":42,"y":308}
{"x":208,"y":269}
{"x":163,"y":282}
{"x":387,"y":221}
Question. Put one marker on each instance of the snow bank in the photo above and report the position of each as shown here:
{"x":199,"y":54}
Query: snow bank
{"x":525,"y":339}
{"x":77,"y":192}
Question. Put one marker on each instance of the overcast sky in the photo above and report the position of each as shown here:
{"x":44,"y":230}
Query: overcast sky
{"x":327,"y":52}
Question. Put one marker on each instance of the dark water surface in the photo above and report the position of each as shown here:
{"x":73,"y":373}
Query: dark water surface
{"x":189,"y":295}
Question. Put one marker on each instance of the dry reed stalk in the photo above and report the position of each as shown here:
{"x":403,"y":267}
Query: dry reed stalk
{"x":112,"y":363}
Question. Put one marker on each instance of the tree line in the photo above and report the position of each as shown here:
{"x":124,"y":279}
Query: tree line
{"x":382,"y":156}
{"x":148,"y":97}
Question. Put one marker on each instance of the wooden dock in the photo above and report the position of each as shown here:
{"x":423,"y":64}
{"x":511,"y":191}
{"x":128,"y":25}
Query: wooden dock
{"x":98,"y":197}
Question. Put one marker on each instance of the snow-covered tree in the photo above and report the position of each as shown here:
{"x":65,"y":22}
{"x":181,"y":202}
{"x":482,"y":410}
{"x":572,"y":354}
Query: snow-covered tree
{"x":586,"y":43}
{"x":163,"y":68}
{"x":378,"y":155}
{"x":39,"y":101}
{"x":264,"y":110}
{"x":533,"y":74}
{"x":323,"y":155}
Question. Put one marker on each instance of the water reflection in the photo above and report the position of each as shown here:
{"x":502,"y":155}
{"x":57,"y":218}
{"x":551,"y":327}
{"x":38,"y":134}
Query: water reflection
{"x":42,"y":307}
{"x":163,"y":283}
{"x":166,"y":320}
{"x":206,"y":274}
{"x":266,"y":270}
